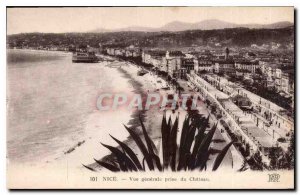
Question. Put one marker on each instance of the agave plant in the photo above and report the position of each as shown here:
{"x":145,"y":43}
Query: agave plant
{"x":192,"y":153}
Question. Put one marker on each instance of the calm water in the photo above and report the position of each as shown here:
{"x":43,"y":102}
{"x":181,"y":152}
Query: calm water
{"x":48,"y":101}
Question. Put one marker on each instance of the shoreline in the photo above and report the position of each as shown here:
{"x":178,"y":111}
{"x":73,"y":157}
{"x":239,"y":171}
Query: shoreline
{"x":97,"y":128}
{"x":37,"y":50}
{"x":134,"y":123}
{"x":219,"y":139}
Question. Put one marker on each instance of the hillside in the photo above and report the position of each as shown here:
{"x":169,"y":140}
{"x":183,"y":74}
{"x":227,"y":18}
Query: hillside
{"x":240,"y":37}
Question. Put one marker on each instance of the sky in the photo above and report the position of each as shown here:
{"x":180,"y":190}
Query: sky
{"x":59,"y":19}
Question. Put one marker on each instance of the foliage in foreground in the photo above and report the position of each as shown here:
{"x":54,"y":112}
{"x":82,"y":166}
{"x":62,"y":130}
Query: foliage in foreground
{"x":192,"y":153}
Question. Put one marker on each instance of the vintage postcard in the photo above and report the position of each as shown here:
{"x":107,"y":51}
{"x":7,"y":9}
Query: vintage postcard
{"x":150,"y":98}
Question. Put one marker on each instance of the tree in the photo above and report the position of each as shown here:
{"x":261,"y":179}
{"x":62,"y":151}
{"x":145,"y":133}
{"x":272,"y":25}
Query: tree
{"x":255,"y":161}
{"x":213,"y":108}
{"x":274,"y":158}
{"x":247,"y":149}
{"x":259,"y":71}
{"x":290,"y":155}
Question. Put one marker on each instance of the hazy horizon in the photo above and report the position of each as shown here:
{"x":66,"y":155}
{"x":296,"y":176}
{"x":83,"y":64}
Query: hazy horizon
{"x":63,"y":20}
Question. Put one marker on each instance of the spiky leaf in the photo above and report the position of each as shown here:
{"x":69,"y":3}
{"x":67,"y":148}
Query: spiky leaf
{"x":89,"y":168}
{"x":141,"y":146}
{"x":124,"y":162}
{"x":108,"y":166}
{"x":130,"y":153}
{"x":221,"y":156}
{"x":147,"y":138}
{"x":203,"y":149}
{"x":172,"y":144}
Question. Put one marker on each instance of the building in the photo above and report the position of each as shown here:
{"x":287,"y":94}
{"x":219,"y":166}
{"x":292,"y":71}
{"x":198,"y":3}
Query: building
{"x":285,"y":83}
{"x":247,"y":66}
{"x":203,"y":63}
{"x":119,"y":52}
{"x":157,"y":61}
{"x":132,"y":51}
{"x":188,"y":64}
{"x":224,"y":66}
{"x":269,"y":72}
{"x":128,"y":53}
{"x":173,"y":62}
{"x":146,"y":57}
{"x":110,"y":51}
{"x":278,"y":73}
{"x":250,"y":55}
{"x":154,"y":57}
{"x":136,"y":53}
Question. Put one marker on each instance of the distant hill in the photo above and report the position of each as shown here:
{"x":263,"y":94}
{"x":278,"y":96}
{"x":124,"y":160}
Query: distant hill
{"x":228,"y":37}
{"x":203,"y":25}
{"x":132,"y":28}
{"x":270,"y":26}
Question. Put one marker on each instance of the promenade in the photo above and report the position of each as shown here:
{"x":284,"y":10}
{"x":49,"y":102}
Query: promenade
{"x":240,"y":122}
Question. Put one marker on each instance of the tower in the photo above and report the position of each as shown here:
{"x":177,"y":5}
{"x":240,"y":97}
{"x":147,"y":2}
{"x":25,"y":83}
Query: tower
{"x":227,"y":53}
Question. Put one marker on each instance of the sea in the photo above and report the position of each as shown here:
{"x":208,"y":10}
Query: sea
{"x":51,"y":105}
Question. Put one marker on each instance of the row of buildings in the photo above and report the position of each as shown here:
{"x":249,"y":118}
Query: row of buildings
{"x":177,"y":64}
{"x":130,"y":51}
{"x":257,"y":124}
{"x":249,"y":128}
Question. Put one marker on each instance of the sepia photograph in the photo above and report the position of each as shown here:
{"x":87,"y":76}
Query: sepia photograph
{"x":150,"y":97}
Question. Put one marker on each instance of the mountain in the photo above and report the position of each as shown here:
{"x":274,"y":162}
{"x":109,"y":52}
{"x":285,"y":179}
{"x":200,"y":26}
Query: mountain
{"x":228,"y":37}
{"x":283,"y":24}
{"x":131,"y":28}
{"x":176,"y":26}
{"x":203,"y":25}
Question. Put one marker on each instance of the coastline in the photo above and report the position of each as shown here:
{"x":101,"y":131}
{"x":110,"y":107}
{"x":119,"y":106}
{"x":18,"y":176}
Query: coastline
{"x":152,"y":119}
{"x":140,"y":86}
{"x":84,"y":149}
{"x":98,"y":127}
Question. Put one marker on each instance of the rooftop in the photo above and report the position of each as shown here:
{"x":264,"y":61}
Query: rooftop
{"x":176,"y":54}
{"x":160,"y":53}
